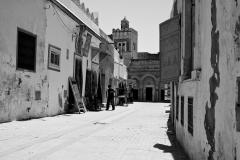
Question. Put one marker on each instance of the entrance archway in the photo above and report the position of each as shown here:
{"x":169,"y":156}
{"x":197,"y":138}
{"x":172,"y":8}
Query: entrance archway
{"x":149,"y":89}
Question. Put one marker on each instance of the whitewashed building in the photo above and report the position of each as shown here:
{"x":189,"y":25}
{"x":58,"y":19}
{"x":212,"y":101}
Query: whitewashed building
{"x":42,"y":44}
{"x":200,"y":50}
{"x":23,"y":71}
{"x":68,"y":29}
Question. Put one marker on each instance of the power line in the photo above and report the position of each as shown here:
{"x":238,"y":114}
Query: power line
{"x":61,"y":21}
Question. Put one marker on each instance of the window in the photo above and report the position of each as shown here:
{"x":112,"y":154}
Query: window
{"x":190,"y":115}
{"x":37,"y":95}
{"x":134,"y":46}
{"x":122,"y":46}
{"x":189,"y":38}
{"x":54,"y":57}
{"x":177,"y":107}
{"x":67,"y":54}
{"x":237,"y":107}
{"x":182,"y":110}
{"x":26,"y":50}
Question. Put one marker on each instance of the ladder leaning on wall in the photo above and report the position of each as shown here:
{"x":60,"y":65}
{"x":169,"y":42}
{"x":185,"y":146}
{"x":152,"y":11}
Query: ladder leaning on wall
{"x":78,"y":99}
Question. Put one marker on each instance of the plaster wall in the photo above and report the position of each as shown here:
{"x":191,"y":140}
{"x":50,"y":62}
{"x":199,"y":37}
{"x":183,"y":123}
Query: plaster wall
{"x":61,"y":30}
{"x":116,"y":72}
{"x":120,"y":70}
{"x":43,"y":92}
{"x":18,"y":87}
{"x":123,"y":71}
{"x":214,"y":117}
{"x":60,"y":36}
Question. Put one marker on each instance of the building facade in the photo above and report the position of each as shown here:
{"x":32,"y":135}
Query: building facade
{"x":22,"y":81}
{"x":205,"y":89}
{"x":43,"y":44}
{"x":144,"y":69}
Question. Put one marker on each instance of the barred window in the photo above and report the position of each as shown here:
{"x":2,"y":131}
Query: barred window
{"x":237,"y":107}
{"x":190,"y":115}
{"x":182,"y":110}
{"x":177,"y":107}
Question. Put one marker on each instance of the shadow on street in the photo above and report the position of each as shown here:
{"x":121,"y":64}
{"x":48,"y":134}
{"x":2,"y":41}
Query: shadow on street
{"x":175,"y":149}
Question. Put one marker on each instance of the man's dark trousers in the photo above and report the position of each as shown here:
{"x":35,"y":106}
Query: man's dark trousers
{"x":110,"y":100}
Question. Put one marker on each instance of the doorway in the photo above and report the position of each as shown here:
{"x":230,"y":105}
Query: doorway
{"x":103,"y":87}
{"x":135,"y":94}
{"x":149,"y":94}
{"x":162,"y":95}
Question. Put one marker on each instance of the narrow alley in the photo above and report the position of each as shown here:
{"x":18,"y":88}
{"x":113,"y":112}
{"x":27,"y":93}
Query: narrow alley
{"x":136,"y":132}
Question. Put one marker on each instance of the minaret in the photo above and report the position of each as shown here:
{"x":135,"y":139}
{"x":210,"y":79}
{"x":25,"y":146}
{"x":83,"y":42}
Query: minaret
{"x":126,"y":41}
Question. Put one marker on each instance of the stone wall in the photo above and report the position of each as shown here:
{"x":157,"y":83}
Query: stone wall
{"x":145,"y":70}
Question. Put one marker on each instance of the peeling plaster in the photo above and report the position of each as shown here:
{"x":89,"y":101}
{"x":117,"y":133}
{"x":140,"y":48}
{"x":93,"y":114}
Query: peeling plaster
{"x":209,"y":124}
{"x":28,"y":109}
{"x":60,"y":100}
{"x":237,"y":32}
{"x":28,"y":95}
{"x":19,"y":82}
{"x":8,"y":92}
{"x":218,"y":44}
{"x":235,"y":153}
{"x":236,"y":1}
{"x":214,"y":82}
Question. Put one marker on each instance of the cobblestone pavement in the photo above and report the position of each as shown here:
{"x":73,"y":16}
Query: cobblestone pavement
{"x":136,"y":132}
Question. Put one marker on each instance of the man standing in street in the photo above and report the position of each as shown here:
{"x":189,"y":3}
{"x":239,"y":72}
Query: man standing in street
{"x":110,"y":98}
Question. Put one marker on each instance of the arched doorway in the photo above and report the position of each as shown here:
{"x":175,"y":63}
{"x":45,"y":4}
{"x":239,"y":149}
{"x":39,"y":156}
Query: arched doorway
{"x":149,"y":89}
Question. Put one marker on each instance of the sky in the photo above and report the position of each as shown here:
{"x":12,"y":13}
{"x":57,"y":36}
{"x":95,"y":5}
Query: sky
{"x":144,"y":16}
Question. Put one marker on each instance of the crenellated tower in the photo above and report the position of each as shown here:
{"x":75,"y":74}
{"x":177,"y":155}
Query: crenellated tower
{"x":126,"y":41}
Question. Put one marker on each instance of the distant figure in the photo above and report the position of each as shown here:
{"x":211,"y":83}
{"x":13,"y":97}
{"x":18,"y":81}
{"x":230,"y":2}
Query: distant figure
{"x":110,"y":97}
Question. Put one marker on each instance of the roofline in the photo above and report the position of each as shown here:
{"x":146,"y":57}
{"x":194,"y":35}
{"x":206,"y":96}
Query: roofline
{"x":75,"y":18}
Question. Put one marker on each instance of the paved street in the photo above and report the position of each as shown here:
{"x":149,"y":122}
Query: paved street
{"x":136,"y":132}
